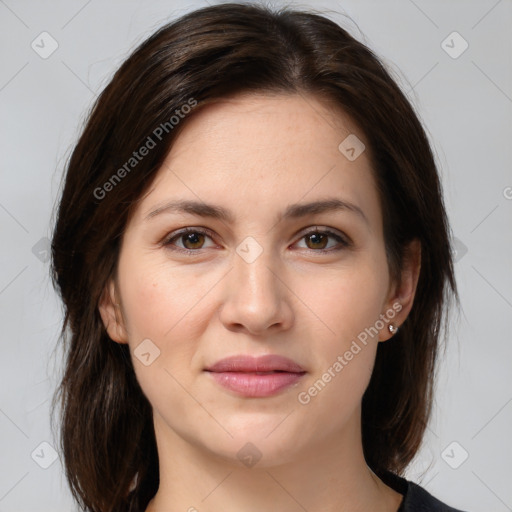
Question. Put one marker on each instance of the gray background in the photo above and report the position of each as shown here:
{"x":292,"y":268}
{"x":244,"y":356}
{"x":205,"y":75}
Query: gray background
{"x":466,"y":106}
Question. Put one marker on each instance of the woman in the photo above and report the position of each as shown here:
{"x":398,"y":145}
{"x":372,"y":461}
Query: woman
{"x":254,"y":258}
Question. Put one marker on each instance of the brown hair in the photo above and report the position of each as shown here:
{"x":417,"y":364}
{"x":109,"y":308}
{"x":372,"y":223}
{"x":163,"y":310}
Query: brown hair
{"x":106,"y":427}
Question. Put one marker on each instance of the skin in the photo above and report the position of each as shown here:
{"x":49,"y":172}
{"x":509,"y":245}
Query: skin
{"x":255,"y":155}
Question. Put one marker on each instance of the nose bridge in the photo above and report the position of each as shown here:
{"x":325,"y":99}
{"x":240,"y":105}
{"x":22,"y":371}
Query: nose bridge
{"x":253,"y":273}
{"x":256,"y":299}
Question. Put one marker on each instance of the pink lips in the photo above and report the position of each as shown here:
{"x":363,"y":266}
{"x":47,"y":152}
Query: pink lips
{"x":256,"y":376}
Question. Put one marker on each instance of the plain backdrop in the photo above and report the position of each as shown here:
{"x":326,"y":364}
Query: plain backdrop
{"x":56,"y":56}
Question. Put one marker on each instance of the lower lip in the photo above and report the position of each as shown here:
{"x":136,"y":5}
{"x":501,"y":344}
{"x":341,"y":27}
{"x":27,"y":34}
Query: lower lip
{"x":256,"y":385}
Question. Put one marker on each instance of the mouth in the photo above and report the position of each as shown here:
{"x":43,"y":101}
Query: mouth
{"x":256,"y":377}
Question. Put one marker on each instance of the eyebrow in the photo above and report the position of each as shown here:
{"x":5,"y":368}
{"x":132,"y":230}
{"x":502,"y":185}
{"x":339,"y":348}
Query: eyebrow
{"x":293,"y":211}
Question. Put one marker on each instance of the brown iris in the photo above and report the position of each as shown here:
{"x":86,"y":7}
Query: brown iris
{"x":192,"y":238}
{"x":318,"y":238}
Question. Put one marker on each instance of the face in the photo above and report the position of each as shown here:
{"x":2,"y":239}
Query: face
{"x":273,"y":275}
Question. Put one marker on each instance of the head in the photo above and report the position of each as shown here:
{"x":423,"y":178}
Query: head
{"x":249,"y":113}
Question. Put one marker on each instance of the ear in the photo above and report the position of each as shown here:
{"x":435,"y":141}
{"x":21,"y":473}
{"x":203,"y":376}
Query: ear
{"x":401,"y":295}
{"x":111,"y":314}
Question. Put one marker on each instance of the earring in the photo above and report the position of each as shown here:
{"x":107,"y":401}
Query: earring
{"x":392,"y":329}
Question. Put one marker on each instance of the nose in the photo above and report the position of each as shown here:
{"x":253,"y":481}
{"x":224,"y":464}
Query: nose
{"x":257,"y":299}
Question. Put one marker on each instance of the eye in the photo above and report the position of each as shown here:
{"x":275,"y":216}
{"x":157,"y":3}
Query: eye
{"x":191,"y":238}
{"x":317,"y":240}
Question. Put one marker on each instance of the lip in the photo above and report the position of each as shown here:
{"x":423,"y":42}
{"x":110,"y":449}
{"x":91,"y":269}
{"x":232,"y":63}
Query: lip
{"x":256,"y":377}
{"x":266,"y":363}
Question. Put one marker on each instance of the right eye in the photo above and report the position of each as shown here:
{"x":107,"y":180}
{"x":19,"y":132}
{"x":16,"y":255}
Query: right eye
{"x":191,"y":238}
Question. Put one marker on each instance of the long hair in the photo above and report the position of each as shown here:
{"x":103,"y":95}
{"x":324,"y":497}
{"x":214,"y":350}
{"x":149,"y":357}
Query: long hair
{"x":106,"y":429}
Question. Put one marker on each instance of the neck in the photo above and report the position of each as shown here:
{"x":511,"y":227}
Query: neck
{"x":331,"y":477}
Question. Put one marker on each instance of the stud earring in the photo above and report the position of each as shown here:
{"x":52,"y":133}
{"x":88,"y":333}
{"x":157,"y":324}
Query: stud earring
{"x":392,"y":329}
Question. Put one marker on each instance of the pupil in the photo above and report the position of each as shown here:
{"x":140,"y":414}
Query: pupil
{"x":192,"y":238}
{"x":317,"y":238}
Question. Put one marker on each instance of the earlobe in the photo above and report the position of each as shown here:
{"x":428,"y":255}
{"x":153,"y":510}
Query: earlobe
{"x":402,"y":297}
{"x":111,"y":314}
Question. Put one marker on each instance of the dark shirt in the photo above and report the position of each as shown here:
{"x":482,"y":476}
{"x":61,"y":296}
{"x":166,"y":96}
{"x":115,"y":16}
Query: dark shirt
{"x":416,"y":499}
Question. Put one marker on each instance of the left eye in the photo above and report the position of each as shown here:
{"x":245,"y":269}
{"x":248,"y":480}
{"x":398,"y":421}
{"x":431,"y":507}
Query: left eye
{"x":319,"y":240}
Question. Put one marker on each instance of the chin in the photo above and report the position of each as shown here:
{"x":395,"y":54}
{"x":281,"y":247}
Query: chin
{"x":255,"y":447}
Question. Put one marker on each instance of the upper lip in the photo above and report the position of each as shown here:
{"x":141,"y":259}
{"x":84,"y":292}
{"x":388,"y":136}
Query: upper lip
{"x":266,"y":363}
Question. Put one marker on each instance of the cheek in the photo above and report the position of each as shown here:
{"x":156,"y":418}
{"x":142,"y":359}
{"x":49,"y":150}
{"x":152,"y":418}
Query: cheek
{"x":345,"y":301}
{"x":350,"y":314}
{"x":164,"y":305}
{"x":158,"y":298}
{"x":347,"y":305}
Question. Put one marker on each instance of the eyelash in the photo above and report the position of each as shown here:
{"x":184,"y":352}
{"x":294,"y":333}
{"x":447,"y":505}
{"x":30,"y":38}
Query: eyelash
{"x":167,"y":242}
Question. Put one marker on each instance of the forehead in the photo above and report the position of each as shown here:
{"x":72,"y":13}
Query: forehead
{"x":255,"y":150}
{"x":270,"y":126}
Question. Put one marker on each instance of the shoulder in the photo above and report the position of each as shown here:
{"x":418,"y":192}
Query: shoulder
{"x":416,"y":498}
